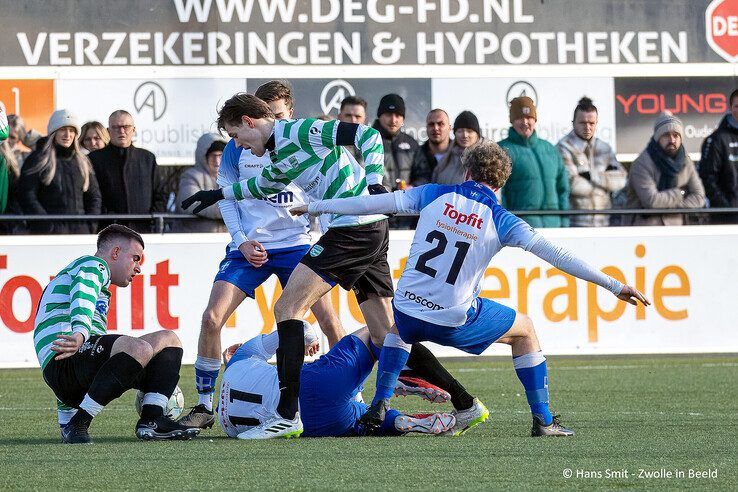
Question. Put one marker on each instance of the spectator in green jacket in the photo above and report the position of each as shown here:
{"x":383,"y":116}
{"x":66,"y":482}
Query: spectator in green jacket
{"x":539,"y":180}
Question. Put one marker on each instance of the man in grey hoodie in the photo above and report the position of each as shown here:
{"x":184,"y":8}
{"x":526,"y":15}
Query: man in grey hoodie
{"x":202,"y":176}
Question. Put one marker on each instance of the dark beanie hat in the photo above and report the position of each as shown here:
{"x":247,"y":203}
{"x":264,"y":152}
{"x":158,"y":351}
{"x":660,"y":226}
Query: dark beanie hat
{"x":216,"y":146}
{"x":467,"y":119}
{"x":391,"y":103}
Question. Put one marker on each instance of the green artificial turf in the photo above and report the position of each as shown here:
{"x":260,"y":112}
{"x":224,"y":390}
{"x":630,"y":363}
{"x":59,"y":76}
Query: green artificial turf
{"x":664,"y":415}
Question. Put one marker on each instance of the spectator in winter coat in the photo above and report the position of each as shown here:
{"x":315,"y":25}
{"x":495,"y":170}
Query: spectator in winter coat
{"x":130,"y":181}
{"x":450,"y":170}
{"x":399,"y":147}
{"x":594,"y":172}
{"x":58,"y":179}
{"x":719,"y":164}
{"x":539,"y":180}
{"x":432,"y":152}
{"x":202,"y":176}
{"x":663,"y":176}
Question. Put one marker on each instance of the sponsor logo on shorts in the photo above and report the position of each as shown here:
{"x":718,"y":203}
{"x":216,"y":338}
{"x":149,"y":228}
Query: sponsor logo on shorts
{"x":225,"y":266}
{"x":412,"y":296}
{"x":316,"y":250}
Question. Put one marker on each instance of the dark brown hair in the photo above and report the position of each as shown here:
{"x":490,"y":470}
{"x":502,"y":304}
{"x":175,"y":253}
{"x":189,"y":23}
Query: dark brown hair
{"x":114,"y":232}
{"x":585,"y":105}
{"x":242,"y":104}
{"x":275,"y":90}
{"x":353,"y":101}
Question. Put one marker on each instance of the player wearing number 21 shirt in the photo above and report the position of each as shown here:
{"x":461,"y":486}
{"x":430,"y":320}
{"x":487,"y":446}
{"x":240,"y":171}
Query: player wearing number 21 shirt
{"x":460,"y":229}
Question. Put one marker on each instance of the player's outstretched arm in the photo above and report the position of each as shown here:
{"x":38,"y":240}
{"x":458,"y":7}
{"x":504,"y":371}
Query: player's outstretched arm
{"x":270,"y":182}
{"x":565,"y":261}
{"x":388,"y":203}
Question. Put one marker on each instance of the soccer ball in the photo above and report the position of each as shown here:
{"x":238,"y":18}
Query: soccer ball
{"x":175,"y":405}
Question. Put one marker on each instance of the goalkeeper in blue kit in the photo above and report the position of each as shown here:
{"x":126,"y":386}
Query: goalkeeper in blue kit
{"x":352,"y":253}
{"x":460,"y":229}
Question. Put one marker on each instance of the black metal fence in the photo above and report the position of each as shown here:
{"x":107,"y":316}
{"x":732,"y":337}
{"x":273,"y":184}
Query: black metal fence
{"x":163,"y":222}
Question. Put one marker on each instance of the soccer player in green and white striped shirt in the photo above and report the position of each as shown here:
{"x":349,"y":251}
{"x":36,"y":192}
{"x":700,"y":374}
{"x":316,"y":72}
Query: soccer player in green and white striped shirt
{"x":353,"y":251}
{"x":87,"y":368}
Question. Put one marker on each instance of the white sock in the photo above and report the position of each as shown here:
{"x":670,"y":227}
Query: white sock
{"x":64,"y":416}
{"x":207,"y":400}
{"x":155,"y":399}
{"x":90,"y":406}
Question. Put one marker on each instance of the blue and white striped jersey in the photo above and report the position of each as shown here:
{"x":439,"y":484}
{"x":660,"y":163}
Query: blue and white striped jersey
{"x":266,"y":220}
{"x":461,"y":227}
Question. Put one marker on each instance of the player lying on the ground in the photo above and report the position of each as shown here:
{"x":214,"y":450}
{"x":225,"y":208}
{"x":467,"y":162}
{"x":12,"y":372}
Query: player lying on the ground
{"x":459,"y":231}
{"x":85,"y":367}
{"x":249,"y":391}
{"x":352,"y":253}
{"x":267,"y":241}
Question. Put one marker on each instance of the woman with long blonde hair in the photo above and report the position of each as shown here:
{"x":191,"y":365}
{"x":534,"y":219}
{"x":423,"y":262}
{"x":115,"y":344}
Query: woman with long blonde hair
{"x":57,"y":178}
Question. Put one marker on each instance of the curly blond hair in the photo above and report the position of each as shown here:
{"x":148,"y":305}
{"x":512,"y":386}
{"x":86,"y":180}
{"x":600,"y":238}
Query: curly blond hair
{"x":487,"y":163}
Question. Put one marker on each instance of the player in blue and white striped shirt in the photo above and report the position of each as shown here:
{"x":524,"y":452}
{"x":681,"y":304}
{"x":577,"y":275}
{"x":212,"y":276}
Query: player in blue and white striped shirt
{"x":352,"y":253}
{"x":460,"y":229}
{"x":266,"y":241}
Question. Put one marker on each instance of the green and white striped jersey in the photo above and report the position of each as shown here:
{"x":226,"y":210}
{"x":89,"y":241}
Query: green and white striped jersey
{"x":76,"y":301}
{"x":306,"y":153}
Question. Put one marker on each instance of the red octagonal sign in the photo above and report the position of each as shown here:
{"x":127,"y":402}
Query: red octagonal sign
{"x":721,"y":22}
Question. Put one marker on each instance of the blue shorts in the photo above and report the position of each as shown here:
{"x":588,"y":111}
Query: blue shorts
{"x":486,"y":322}
{"x":328,"y":387}
{"x":236,"y":270}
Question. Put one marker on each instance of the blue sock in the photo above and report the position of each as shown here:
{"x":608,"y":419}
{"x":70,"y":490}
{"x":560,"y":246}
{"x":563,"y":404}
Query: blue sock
{"x":206,"y":374}
{"x":532,"y":372}
{"x":388,"y":425}
{"x":394,"y":355}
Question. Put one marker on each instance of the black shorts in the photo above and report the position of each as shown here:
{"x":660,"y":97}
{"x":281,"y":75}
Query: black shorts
{"x":70,"y":378}
{"x":354,"y":258}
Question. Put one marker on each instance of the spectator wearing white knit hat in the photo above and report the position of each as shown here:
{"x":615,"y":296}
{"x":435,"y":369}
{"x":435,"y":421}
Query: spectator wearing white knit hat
{"x":57,"y":178}
{"x":663,"y":175}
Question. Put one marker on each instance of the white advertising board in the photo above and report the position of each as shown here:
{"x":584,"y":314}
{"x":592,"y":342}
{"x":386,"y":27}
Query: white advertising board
{"x":170,"y":114}
{"x":687,"y":272}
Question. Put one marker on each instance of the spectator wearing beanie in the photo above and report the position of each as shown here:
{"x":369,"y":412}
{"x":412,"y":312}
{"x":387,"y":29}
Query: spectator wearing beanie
{"x":594,"y":171}
{"x":58,"y":179}
{"x":718,"y":169}
{"x":663,"y":175}
{"x":467,"y":133}
{"x":539,"y":180}
{"x":202,"y":176}
{"x":399,"y":147}
{"x":130,"y":180}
